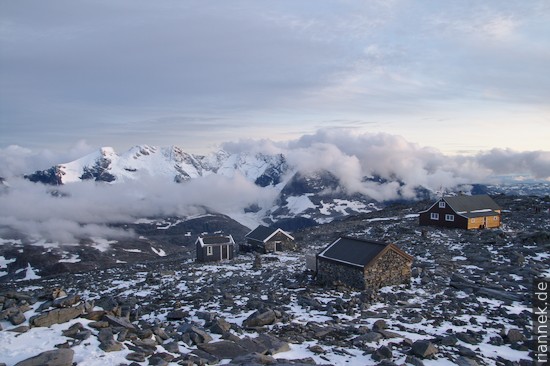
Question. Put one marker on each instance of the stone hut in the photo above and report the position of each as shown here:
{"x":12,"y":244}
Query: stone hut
{"x":215,"y":247}
{"x":265,"y":239}
{"x":363,"y":264}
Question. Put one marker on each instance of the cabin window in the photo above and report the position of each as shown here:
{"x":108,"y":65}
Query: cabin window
{"x":449,"y":217}
{"x":441,"y":204}
{"x":495,"y":218}
{"x":434,"y":216}
{"x":209,"y":250}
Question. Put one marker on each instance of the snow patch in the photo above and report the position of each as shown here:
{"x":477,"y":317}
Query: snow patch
{"x":299,"y":204}
{"x":159,"y":252}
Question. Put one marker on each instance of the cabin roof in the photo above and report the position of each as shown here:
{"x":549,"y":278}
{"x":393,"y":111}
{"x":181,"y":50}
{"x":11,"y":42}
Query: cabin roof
{"x":264,"y":233}
{"x":470,"y":204}
{"x":358,"y":252}
{"x":216,"y":239}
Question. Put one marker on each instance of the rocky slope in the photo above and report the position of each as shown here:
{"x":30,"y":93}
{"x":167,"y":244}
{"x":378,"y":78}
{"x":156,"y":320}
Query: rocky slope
{"x":469,"y":303}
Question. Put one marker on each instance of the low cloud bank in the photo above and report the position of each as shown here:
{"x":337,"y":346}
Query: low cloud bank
{"x":352,"y":157}
{"x":85,"y":209}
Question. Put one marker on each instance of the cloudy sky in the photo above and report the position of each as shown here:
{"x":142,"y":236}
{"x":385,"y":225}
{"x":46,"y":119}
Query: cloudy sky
{"x":460,"y":76}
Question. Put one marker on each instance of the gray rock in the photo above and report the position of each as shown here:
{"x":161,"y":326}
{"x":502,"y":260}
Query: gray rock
{"x":200,"y":357}
{"x":251,"y":346}
{"x":136,"y":356}
{"x":105,"y":335}
{"x":160,"y":359}
{"x":67,"y":301}
{"x":424,"y":349}
{"x":56,"y":316}
{"x":172,"y":347}
{"x":367,"y":338}
{"x":515,"y":335}
{"x":499,"y":294}
{"x":58,"y":357}
{"x":253,"y":359}
{"x":316,"y":349}
{"x":73,"y":330}
{"x":382,"y":353}
{"x":17,"y":318}
{"x":195,"y":334}
{"x":449,"y":340}
{"x":465,"y":351}
{"x":379,"y":325}
{"x":177,"y":315}
{"x":273,"y":344}
{"x":466,"y":361}
{"x":388,"y":334}
{"x":258,"y":319}
{"x":220,"y":326}
{"x":19,"y":329}
{"x":119,"y":322}
{"x":467,"y":338}
{"x":111,"y":346}
{"x":223,"y":349}
{"x":414,"y":361}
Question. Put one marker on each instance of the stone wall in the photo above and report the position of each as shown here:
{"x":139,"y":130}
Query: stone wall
{"x":390,"y":269}
{"x":286,"y":244}
{"x":331,"y":273}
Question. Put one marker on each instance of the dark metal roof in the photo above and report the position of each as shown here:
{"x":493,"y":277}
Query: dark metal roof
{"x":358,"y":252}
{"x":263,"y":233}
{"x":467,"y":204}
{"x":260,"y":233}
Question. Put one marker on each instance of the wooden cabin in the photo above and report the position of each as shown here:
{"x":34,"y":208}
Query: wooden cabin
{"x":215,"y":247}
{"x":363,"y":264}
{"x":463,"y":212}
{"x":265,"y":239}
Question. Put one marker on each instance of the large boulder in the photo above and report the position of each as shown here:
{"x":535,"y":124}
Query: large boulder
{"x":424,"y":349}
{"x":58,"y":357}
{"x":259,"y":319}
{"x":223,"y":349}
{"x":56,"y":316}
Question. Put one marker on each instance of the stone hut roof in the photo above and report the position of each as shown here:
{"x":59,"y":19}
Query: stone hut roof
{"x":264,"y":233}
{"x":358,"y":252}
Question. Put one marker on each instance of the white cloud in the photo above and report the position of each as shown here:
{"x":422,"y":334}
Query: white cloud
{"x":85,"y":209}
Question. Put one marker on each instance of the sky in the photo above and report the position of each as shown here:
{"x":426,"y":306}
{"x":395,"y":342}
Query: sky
{"x":458,"y":76}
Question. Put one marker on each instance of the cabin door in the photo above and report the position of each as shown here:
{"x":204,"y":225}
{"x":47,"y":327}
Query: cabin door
{"x":225,"y":252}
{"x":278,"y":246}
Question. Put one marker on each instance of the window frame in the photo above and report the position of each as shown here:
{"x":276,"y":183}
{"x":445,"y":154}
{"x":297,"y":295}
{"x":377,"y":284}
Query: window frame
{"x":434,"y":216}
{"x":442,"y":204}
{"x":209,"y":250}
{"x":449,"y":217}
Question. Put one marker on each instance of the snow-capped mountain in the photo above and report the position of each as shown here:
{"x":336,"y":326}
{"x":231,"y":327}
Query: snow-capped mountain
{"x":170,"y":162}
{"x":318,"y":196}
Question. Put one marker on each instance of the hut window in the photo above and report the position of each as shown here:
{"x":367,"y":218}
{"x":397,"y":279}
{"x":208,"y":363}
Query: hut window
{"x":434,"y":215}
{"x":209,"y":250}
{"x":449,"y":217}
{"x":441,"y":204}
{"x":495,"y":218}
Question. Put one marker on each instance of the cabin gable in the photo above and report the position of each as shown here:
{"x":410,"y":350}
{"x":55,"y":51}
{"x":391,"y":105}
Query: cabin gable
{"x":269,"y":240}
{"x":217,"y":247}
